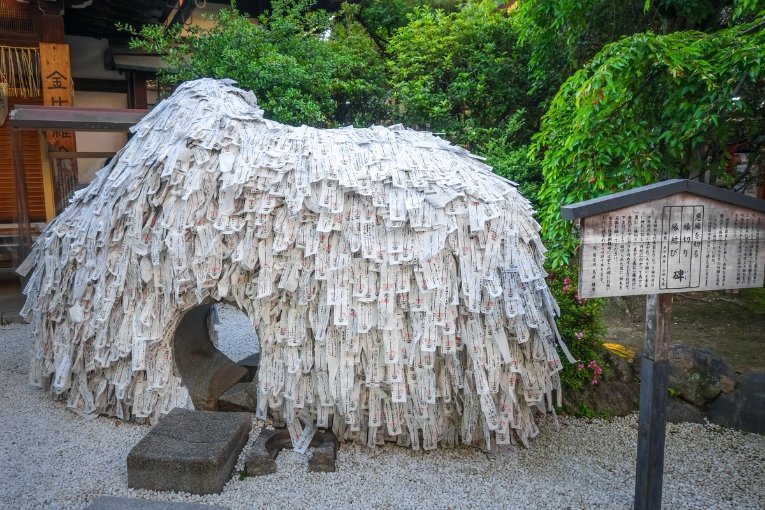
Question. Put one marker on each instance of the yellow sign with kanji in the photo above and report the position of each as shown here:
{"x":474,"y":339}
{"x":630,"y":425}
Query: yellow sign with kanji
{"x":57,"y":88}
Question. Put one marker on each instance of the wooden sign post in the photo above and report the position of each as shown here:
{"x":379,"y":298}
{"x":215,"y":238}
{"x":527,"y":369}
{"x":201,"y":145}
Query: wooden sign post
{"x":654,"y":369}
{"x":673,"y":236}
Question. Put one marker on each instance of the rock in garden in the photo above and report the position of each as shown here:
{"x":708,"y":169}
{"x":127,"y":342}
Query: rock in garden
{"x":699,"y":375}
{"x":261,"y":458}
{"x":744,"y":408}
{"x":617,"y":394}
{"x":240,"y":397}
{"x":680,"y":411}
{"x":207,"y":372}
{"x":251,"y":363}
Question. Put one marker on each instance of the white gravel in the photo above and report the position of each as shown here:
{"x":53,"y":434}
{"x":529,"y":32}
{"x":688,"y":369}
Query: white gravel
{"x":52,"y":458}
{"x":237,"y":338}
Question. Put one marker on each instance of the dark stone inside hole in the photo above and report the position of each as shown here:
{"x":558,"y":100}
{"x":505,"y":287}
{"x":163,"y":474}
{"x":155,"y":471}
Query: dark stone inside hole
{"x":206,"y":372}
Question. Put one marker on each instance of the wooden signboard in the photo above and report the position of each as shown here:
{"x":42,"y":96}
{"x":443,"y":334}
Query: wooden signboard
{"x":57,"y":88}
{"x":58,"y":91}
{"x":673,"y":236}
{"x":680,"y":243}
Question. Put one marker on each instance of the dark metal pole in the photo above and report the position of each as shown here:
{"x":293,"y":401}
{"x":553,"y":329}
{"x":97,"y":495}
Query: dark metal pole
{"x":654,"y":368}
{"x":25,"y":233}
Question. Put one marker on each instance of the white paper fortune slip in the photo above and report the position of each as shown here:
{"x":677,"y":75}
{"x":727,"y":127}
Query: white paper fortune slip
{"x":396,"y":283}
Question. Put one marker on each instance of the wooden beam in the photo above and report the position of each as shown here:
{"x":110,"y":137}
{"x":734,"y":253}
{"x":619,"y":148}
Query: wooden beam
{"x":51,"y":7}
{"x":79,"y":154}
{"x":58,"y":92}
{"x":137,"y":90}
{"x":183,"y":13}
{"x":78,"y":119}
{"x":52,"y":21}
{"x":47,"y":175}
{"x":97,"y":85}
{"x":654,"y":369}
{"x":57,"y":88}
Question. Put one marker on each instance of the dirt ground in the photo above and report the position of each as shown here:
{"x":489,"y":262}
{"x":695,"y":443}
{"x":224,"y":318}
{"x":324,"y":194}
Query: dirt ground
{"x":730,"y":323}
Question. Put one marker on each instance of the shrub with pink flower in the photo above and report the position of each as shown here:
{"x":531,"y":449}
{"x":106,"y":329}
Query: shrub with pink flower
{"x":596,"y":370}
{"x":581,"y":328}
{"x":594,"y":367}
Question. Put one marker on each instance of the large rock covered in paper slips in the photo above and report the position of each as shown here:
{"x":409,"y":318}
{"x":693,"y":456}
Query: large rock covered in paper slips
{"x":395,"y":282}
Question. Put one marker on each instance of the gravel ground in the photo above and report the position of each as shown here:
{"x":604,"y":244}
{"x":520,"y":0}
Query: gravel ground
{"x":236,"y":337}
{"x":52,"y":458}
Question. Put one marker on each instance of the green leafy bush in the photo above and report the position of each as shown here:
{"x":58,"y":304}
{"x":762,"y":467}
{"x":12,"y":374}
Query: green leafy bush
{"x":303,"y":65}
{"x":461,"y":74}
{"x":382,"y":18}
{"x":562,"y":36}
{"x":646,"y":108}
{"x":581,"y":328}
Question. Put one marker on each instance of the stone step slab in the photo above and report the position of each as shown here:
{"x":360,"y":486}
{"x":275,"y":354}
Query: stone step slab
{"x":121,"y":503}
{"x":189,"y":451}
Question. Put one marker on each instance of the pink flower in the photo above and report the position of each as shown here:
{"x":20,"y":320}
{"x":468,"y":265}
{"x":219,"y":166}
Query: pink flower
{"x":580,"y":366}
{"x":567,"y":281}
{"x":594,"y":380}
{"x":579,"y":335}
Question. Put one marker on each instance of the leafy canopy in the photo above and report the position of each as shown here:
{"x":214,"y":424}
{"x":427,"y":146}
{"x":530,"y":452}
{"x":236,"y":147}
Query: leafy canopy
{"x":650,"y":107}
{"x":562,"y":35}
{"x":381,"y":18}
{"x":460,"y":73}
{"x":303,"y":65}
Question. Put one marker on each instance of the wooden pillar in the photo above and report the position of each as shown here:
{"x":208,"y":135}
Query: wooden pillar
{"x":47,"y":175}
{"x":52,"y":20}
{"x":654,"y":369}
{"x":137,"y":90}
{"x":25,"y":233}
{"x":57,"y":88}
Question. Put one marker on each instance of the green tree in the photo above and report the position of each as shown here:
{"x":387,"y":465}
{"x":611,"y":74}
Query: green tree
{"x":381,"y":18}
{"x":563,"y":35}
{"x":651,"y":107}
{"x":461,"y":73}
{"x":303,"y":65}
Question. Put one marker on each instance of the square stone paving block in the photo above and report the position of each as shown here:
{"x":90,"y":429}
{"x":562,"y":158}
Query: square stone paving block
{"x":189,"y":451}
{"x":122,"y":503}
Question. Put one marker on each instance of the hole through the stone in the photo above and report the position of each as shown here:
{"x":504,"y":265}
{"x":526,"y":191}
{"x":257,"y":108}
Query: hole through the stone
{"x":233,"y":332}
{"x":213,"y":379}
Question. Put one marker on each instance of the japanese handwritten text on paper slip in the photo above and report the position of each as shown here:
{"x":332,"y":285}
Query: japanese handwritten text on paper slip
{"x":680,"y":243}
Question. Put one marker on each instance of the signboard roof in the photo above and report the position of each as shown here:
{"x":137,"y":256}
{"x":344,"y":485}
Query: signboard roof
{"x":657,"y":191}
